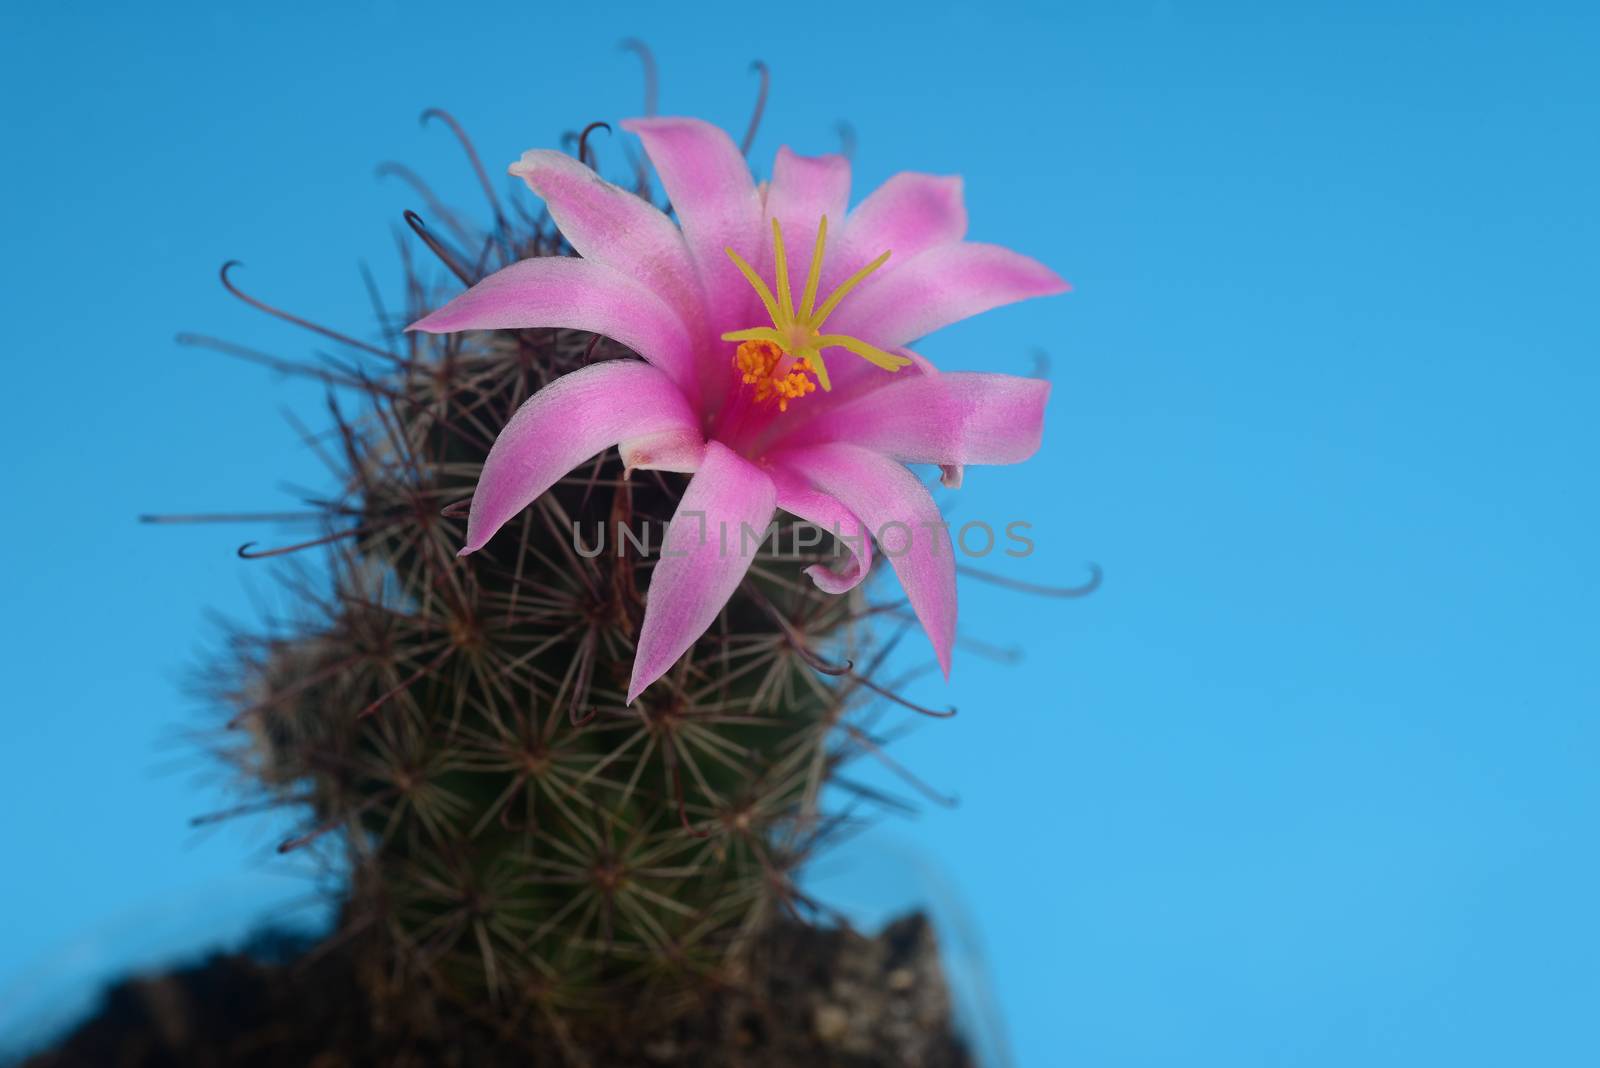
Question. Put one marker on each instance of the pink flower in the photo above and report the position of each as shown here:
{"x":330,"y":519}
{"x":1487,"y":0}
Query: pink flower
{"x":813,"y":406}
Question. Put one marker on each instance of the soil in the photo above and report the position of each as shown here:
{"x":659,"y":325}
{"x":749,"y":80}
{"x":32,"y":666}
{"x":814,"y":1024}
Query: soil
{"x":816,"y":997}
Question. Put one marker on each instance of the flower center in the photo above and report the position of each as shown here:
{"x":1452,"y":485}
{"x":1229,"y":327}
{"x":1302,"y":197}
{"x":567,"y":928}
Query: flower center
{"x":762,"y":364}
{"x":780,"y":360}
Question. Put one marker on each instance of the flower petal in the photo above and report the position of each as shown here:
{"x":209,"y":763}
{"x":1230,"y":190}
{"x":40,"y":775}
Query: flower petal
{"x":678,"y":449}
{"x":803,"y":190}
{"x":715,"y":199}
{"x":906,"y":215}
{"x":852,"y":379}
{"x":704,"y":555}
{"x":905,"y":522}
{"x":565,"y":423}
{"x":938,"y":287}
{"x":611,"y":225}
{"x":950,"y":419}
{"x":560,"y":291}
{"x":799,"y":498}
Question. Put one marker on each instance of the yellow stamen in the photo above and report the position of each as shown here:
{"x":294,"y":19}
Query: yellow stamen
{"x":849,"y":283}
{"x":875,"y":356}
{"x":779,"y":360}
{"x":780,"y":264}
{"x":755,"y":333}
{"x":813,"y":360}
{"x":759,"y":363}
{"x":813,"y":277}
{"x":754,"y":279}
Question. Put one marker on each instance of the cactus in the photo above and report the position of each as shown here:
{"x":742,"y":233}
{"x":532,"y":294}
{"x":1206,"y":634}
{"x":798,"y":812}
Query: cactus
{"x":456,"y":736}
{"x":454,"y":733}
{"x":461,"y":723}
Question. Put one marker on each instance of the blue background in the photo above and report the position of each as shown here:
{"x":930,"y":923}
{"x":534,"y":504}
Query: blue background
{"x":1310,"y":781}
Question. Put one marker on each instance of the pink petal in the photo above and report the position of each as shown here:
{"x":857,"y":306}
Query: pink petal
{"x":938,"y":287}
{"x":906,"y":215}
{"x":560,"y":291}
{"x":705,"y":555}
{"x":611,"y":225}
{"x":905,"y":522}
{"x":797,"y":497}
{"x":678,"y":449}
{"x":949,"y":419}
{"x":715,"y":199}
{"x":565,"y":423}
{"x":804,"y":189}
{"x":852,"y":378}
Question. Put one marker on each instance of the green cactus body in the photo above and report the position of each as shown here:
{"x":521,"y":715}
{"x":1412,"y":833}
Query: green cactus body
{"x":455,"y":728}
